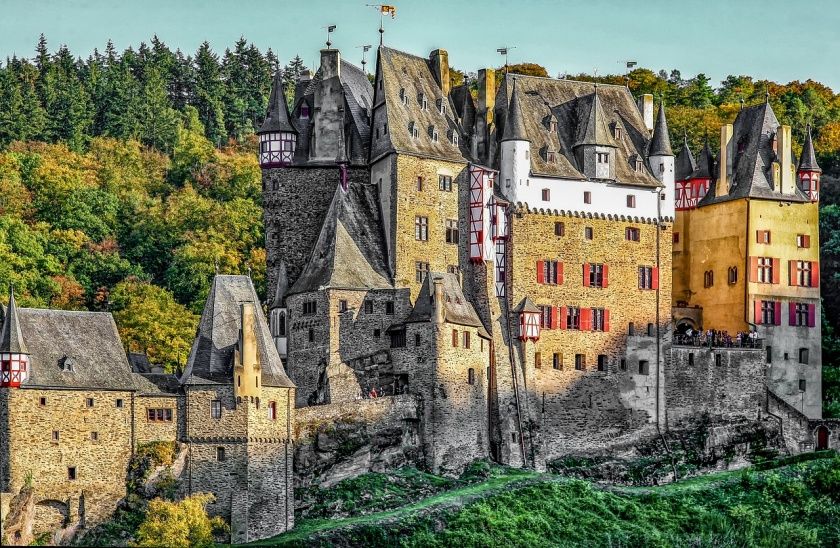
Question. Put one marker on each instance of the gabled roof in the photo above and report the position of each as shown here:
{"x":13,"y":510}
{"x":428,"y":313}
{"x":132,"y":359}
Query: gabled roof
{"x":808,"y":160}
{"x":514,"y":126}
{"x":457,"y":309}
{"x":705,"y":168}
{"x":212,"y":354}
{"x":412,"y":75}
{"x":660,"y":143}
{"x":70,"y":349}
{"x":11,"y":339}
{"x":684,"y":165}
{"x":277,"y":118}
{"x":571,"y":104}
{"x":350,"y":252}
{"x":753,"y":132}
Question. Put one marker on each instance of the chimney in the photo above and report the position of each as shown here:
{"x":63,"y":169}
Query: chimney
{"x":783,"y":156}
{"x":439,"y":59}
{"x":330,"y":63}
{"x":439,"y":311}
{"x":646,"y":109}
{"x":485,"y":111}
{"x":246,"y":364}
{"x":724,"y":161}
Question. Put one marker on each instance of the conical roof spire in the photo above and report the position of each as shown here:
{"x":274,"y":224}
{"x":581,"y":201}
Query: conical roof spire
{"x":282,"y":286}
{"x":277,"y":118}
{"x":11,"y":339}
{"x":515,"y":124}
{"x":660,"y":143}
{"x":685,"y":164}
{"x":705,"y":163}
{"x":808,"y":160}
{"x":595,"y":130}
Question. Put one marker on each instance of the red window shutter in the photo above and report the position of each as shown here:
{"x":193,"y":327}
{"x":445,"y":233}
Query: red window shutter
{"x":554,"y":317}
{"x":806,"y":241}
{"x":586,"y":319}
{"x":563,"y":317}
{"x":792,"y":278}
{"x":606,"y":275}
{"x":606,"y":319}
{"x":655,"y":278}
{"x":560,"y":273}
{"x":753,"y":269}
{"x":585,"y":274}
{"x":815,"y":274}
{"x":540,"y":272}
{"x":812,"y":315}
{"x":758,"y":238}
{"x":777,"y":270}
{"x":757,"y":312}
{"x":791,"y":313}
{"x":778,"y":312}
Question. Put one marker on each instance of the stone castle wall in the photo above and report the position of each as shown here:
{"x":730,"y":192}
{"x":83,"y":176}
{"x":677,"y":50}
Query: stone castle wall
{"x":146,"y":430}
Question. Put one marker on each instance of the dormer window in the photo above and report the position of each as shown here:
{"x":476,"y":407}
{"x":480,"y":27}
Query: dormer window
{"x":304,"y":110}
{"x":433,"y":134}
{"x":413,"y":130}
{"x":639,"y":165}
{"x":441,"y":106}
{"x":403,"y":96}
{"x":550,"y":156}
{"x":421,"y":98}
{"x":454,"y":137}
{"x":617,"y":132}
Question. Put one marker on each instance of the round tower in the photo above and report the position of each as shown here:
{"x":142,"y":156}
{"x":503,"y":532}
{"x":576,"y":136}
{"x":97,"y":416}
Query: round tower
{"x":14,"y":357}
{"x":515,"y":159}
{"x":278,"y":137}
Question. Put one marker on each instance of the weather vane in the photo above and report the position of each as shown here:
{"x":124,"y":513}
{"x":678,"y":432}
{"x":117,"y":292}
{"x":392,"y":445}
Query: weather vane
{"x":504,"y":51}
{"x":364,"y":56}
{"x":383,"y":9}
{"x":330,"y":29}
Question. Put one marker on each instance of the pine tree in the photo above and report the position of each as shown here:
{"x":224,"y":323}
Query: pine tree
{"x":208,"y":94}
{"x":158,"y":121}
{"x":291,"y":74}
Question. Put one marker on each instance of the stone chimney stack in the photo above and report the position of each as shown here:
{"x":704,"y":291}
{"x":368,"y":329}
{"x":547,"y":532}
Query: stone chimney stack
{"x":646,"y":108}
{"x":486,"y":105}
{"x":439,"y":312}
{"x":330,"y":63}
{"x":246,"y":364}
{"x":787,"y":184}
{"x":725,"y":160}
{"x":439,"y":59}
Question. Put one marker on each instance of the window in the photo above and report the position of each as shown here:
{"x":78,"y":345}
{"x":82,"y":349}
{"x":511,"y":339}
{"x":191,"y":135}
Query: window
{"x":588,"y":233}
{"x":368,"y":306}
{"x":159,"y":414}
{"x":417,"y":339}
{"x":708,"y":278}
{"x":71,"y":473}
{"x":732,"y":275}
{"x":42,"y":401}
{"x":454,"y":338}
{"x":580,"y":362}
{"x":597,"y":275}
{"x":550,"y":156}
{"x":549,"y":272}
{"x":56,"y":435}
{"x":632,"y":234}
{"x":800,"y":314}
{"x":803,"y":240}
{"x":119,"y":402}
{"x":389,"y":307}
{"x":433,"y":133}
{"x":445,"y":183}
{"x":587,"y":197}
{"x":622,"y":364}
{"x":646,"y":277}
{"x":546,"y":195}
{"x":602,"y":362}
{"x":452,"y":233}
{"x":768,"y":312}
{"x":272,"y":410}
{"x":802,"y":273}
{"x":803,"y":355}
{"x":441,"y":106}
{"x":421,"y":269}
{"x":537,"y":360}
{"x":691,"y":358}
{"x":397,"y":338}
{"x":599,"y":319}
{"x":557,"y":361}
{"x":466,"y":339}
{"x":94,"y":436}
{"x":513,"y":436}
{"x":631,"y":329}
{"x":220,"y":454}
{"x":421,"y":229}
{"x":617,"y":132}
{"x":662,"y":169}
{"x":454,"y":138}
{"x":470,"y":376}
{"x":572,"y":317}
{"x":802,"y":385}
{"x":419,"y":184}
{"x":762,"y":236}
{"x":403,"y":95}
{"x":342,"y":305}
{"x":676,"y":237}
{"x":310,"y":336}
{"x":216,"y":409}
{"x":424,"y":104}
{"x":639,"y":165}
{"x":644,"y":367}
{"x":602,"y":157}
{"x":765,"y":270}
{"x":452,"y":269}
{"x":631,"y":200}
{"x":559,"y":228}
{"x":89,"y":402}
{"x":309,"y":307}
{"x":377,"y":333}
{"x":718,"y":360}
{"x":768,"y":354}
{"x":384,"y":129}
{"x":545,"y":316}
{"x":413,"y":130}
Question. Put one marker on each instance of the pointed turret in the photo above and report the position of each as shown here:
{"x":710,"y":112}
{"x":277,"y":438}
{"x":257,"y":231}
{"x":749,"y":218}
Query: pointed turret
{"x":278,"y":137}
{"x":515,"y":123}
{"x":277,"y":117}
{"x":685,"y":163}
{"x":809,"y":171}
{"x":12,"y":340}
{"x":705,"y":163}
{"x":808,"y":160}
{"x":595,"y":131}
{"x":660,"y":143}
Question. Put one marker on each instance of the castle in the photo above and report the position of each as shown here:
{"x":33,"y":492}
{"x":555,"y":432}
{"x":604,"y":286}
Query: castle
{"x":508,"y":276}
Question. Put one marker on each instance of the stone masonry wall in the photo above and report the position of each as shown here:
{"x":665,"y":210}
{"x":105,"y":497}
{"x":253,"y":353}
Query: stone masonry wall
{"x":95,"y":440}
{"x":146,"y":430}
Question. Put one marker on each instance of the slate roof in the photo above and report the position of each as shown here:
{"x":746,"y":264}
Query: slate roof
{"x":11,"y":339}
{"x":211,"y":357}
{"x":277,"y":118}
{"x":808,"y":160}
{"x":571,"y":104}
{"x":156,"y":384}
{"x":86,"y":342}
{"x":705,"y":164}
{"x":413,"y":75}
{"x":457,"y":309}
{"x":514,"y":126}
{"x":660,"y":143}
{"x":350,"y":252}
{"x":526,"y":305}
{"x":684,"y":165}
{"x":282,"y":286}
{"x":753,"y":132}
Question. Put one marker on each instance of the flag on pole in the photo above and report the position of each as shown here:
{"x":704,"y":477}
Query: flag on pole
{"x":631,"y":64}
{"x":385,"y":9}
{"x":330,"y":28}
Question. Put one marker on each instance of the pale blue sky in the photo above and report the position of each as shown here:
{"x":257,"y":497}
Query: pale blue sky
{"x":772,"y":39}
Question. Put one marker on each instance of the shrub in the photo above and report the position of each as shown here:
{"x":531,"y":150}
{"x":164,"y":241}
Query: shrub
{"x":180,"y":524}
